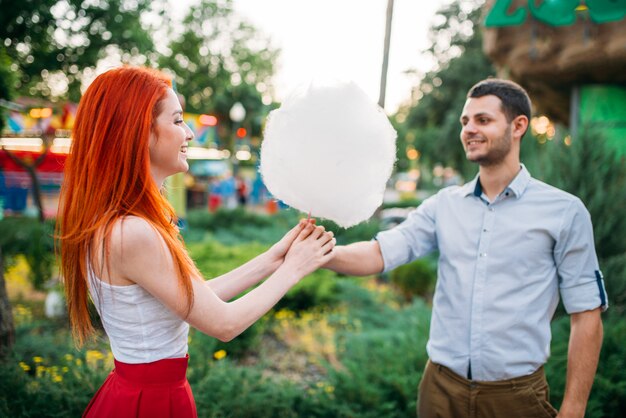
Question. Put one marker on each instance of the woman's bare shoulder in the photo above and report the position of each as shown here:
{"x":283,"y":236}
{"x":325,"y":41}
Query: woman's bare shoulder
{"x":135,"y":247}
{"x":130,"y":232}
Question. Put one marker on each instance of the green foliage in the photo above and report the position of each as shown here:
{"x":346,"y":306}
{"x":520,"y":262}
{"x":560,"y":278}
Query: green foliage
{"x":431,"y":124}
{"x":234,"y":227}
{"x":241,"y":392}
{"x":214,"y":259}
{"x":6,"y":82}
{"x":218,"y":47}
{"x":383,"y":356}
{"x":380,"y":346}
{"x":243,"y":345}
{"x":34,"y":240}
{"x":608,"y":394}
{"x":226,"y":219}
{"x":63,"y":38}
{"x":319,"y":289}
{"x":364,"y":231}
{"x":415,"y":279}
{"x":614,"y":271}
{"x":46,"y":376}
{"x":407,"y":203}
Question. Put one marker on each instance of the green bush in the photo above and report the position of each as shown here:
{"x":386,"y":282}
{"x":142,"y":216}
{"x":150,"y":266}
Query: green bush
{"x":225,"y":218}
{"x":34,"y":240}
{"x":608,"y":394}
{"x":318,"y":289}
{"x":415,"y":279}
{"x":46,"y":376}
{"x":383,"y":356}
{"x":406,"y":203}
{"x":214,"y":259}
{"x":234,"y":227}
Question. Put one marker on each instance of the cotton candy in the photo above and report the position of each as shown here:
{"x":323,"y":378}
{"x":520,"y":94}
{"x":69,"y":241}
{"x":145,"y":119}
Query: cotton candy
{"x":329,"y":151}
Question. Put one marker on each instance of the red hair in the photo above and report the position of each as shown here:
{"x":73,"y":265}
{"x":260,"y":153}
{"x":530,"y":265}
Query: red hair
{"x":107,"y":177}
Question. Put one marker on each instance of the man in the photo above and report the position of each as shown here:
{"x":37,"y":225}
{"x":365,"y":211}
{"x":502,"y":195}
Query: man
{"x":508,"y":244}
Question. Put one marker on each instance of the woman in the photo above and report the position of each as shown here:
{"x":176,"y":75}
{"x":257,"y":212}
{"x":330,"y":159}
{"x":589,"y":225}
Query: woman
{"x":120,"y":244}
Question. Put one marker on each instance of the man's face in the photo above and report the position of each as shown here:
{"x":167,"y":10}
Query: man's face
{"x":485,"y":132}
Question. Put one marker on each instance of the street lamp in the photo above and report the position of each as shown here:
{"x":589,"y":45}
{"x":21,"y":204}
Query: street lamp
{"x":237,"y":115}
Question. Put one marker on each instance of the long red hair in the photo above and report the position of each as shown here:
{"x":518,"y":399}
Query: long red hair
{"x":107,"y":176}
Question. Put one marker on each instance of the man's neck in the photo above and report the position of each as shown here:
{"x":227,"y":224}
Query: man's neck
{"x":494,"y":179}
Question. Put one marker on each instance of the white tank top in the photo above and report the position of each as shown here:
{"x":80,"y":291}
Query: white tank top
{"x":140,"y":328}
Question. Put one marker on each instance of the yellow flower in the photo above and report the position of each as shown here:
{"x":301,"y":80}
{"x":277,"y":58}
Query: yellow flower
{"x":38,"y":359}
{"x":218,"y":355}
{"x":69,"y":357}
{"x":284,"y":314}
{"x":79,"y":362}
{"x":65,"y":369}
{"x":57,"y":378}
{"x":329,"y":389}
{"x":24,"y":366}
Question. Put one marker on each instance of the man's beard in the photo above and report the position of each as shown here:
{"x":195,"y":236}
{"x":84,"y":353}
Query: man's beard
{"x":498,"y":153}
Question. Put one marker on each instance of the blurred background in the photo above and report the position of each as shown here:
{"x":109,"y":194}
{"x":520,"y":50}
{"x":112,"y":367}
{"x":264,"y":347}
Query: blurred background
{"x":334,"y":346}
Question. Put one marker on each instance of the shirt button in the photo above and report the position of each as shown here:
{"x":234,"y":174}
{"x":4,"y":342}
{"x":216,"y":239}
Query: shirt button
{"x":483,"y":254}
{"x":485,"y":230}
{"x":491,"y":209}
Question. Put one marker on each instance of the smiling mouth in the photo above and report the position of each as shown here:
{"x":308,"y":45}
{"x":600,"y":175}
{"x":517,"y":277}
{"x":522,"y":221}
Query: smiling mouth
{"x":184,"y":148}
{"x":474,"y":142}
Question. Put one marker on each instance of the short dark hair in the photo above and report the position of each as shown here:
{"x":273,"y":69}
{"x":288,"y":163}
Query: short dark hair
{"x":515,"y":100}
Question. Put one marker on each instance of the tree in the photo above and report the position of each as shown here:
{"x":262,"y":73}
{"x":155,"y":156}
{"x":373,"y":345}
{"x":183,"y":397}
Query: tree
{"x":431,"y":122}
{"x":53,"y":42}
{"x":219,"y":60}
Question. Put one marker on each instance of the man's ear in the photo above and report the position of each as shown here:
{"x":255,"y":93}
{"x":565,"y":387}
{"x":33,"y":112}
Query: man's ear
{"x":520,"y":126}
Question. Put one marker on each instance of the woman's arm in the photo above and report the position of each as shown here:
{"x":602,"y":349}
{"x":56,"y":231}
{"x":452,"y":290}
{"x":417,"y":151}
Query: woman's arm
{"x":231,"y":284}
{"x":139,"y":255}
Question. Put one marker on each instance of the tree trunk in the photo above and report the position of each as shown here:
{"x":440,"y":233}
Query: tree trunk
{"x":31,"y":169}
{"x":36,"y":192}
{"x":7,"y":329}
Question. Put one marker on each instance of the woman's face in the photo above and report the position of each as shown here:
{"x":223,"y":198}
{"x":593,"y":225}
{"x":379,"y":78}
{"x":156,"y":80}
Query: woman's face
{"x":169,"y":140}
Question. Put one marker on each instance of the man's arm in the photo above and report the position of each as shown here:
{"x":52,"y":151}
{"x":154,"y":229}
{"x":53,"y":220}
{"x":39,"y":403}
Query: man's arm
{"x":358,"y":259}
{"x":582,"y":360}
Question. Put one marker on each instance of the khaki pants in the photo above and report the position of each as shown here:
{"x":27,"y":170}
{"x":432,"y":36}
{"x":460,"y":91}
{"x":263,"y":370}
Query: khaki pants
{"x":444,"y":394}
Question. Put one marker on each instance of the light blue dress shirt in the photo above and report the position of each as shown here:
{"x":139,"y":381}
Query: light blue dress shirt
{"x":502,"y":265}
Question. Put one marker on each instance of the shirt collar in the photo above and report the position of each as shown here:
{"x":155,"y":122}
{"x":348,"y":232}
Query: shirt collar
{"x":517,"y":186}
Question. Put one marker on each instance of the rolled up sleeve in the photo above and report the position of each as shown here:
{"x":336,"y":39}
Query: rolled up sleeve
{"x":413,"y":238}
{"x":580,"y":280}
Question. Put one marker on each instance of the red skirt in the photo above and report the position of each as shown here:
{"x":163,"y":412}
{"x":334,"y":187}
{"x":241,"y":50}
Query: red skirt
{"x":158,"y":389}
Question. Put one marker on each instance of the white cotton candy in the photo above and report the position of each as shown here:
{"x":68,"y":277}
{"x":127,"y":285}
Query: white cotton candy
{"x":329,"y":150}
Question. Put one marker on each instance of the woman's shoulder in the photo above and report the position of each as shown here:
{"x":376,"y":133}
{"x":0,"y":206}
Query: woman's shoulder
{"x":134,"y":237}
{"x":137,"y":251}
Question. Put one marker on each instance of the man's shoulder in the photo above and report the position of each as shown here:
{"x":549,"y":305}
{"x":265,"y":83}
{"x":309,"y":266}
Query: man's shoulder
{"x":544,"y":190}
{"x":455,"y":190}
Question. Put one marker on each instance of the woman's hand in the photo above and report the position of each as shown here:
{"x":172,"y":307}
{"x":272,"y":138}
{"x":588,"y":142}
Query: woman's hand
{"x":311,"y":249}
{"x":276,"y":254}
